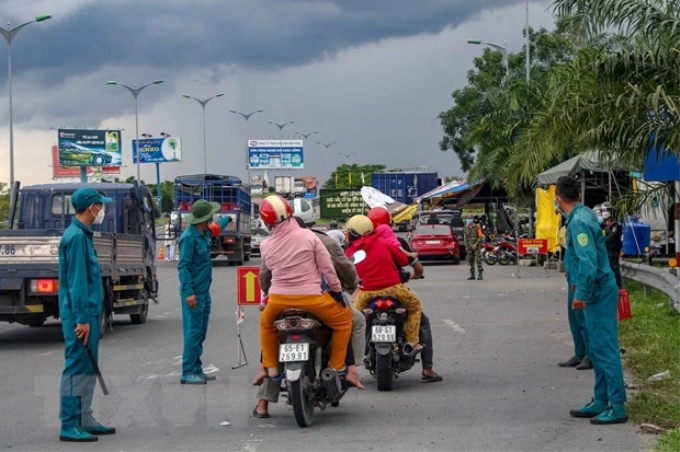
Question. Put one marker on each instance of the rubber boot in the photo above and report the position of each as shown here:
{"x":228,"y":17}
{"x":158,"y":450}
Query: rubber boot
{"x":614,"y":414}
{"x":591,"y":409}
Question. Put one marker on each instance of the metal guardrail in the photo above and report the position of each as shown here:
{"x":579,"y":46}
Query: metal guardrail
{"x":654,"y":277}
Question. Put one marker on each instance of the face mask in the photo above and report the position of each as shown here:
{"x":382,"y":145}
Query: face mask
{"x":468,"y":222}
{"x":600,"y":220}
{"x":99,"y":218}
{"x":606,"y":215}
{"x":557,"y":208}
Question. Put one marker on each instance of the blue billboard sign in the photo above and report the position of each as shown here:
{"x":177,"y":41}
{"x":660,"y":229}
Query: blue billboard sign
{"x":84,"y":147}
{"x":157,"y":150}
{"x":275,"y":154}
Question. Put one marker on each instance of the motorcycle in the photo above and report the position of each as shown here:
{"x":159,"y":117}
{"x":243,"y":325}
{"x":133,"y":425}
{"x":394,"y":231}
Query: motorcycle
{"x":388,"y":352}
{"x":304,"y":354}
{"x":490,"y":253}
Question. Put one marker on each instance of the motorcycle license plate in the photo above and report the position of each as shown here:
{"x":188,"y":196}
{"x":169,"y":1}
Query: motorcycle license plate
{"x":384,"y":333}
{"x":294,"y":352}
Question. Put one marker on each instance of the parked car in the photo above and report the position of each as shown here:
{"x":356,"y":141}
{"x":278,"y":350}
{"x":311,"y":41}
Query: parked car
{"x":436,"y":242}
{"x":256,"y":238}
{"x":453,"y":218}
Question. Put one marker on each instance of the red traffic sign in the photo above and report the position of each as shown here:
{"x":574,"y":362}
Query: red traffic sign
{"x":532,"y":246}
{"x":248,"y":286}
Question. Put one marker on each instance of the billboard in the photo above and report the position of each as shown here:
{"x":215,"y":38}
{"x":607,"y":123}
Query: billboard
{"x":82,"y":147}
{"x":74,"y":171}
{"x":275,"y":154}
{"x":341,"y":203}
{"x":157,"y":150}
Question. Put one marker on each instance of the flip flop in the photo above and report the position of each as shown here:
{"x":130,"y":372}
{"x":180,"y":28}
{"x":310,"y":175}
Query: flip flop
{"x":429,"y":379}
{"x":260,"y":415}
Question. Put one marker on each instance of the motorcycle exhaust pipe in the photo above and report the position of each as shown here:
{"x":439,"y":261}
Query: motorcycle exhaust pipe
{"x":331,"y":382}
{"x":409,"y":350}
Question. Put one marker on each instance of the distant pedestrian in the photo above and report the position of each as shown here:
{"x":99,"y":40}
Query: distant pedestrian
{"x":334,"y":233}
{"x":612,"y":239}
{"x":595,"y":291}
{"x":172,"y":246}
{"x":195,"y":277}
{"x":473,"y":247}
{"x":81,"y":298}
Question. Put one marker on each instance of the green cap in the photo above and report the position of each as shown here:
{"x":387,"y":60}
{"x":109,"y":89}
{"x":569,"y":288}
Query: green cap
{"x":85,"y":197}
{"x":202,"y":210}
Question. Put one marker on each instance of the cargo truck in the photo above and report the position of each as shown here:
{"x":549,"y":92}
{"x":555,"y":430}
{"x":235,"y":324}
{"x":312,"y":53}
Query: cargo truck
{"x":405,"y":186}
{"x":234,"y":241}
{"x":29,"y":252}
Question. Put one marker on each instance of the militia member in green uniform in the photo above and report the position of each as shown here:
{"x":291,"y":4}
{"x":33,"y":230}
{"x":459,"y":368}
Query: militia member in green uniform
{"x":473,"y":246}
{"x":595,"y":292}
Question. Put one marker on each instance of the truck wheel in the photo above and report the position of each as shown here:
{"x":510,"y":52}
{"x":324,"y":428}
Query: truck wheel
{"x":140,"y":318}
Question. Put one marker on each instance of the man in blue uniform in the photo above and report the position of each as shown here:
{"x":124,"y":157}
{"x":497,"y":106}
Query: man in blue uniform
{"x":80,"y":308}
{"x":195,"y":277}
{"x":595,"y":292}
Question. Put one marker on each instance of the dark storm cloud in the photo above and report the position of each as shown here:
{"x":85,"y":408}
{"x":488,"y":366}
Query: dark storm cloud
{"x":180,"y":35}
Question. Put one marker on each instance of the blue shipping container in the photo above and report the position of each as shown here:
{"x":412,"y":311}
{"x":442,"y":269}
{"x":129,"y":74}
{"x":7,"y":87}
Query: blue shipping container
{"x":403,"y":187}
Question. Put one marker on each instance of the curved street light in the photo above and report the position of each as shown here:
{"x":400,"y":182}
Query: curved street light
{"x":203,"y":103}
{"x":281,"y":126}
{"x":347,"y":154}
{"x":9,"y":33}
{"x":247,"y":116}
{"x":134,"y":90}
{"x":502,"y":49}
{"x":307,"y":135}
{"x":327,"y":145}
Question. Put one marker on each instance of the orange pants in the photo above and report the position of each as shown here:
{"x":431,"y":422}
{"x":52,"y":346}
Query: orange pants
{"x":323,"y":306}
{"x":399,"y":291}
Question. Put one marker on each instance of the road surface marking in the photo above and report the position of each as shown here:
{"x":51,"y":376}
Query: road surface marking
{"x":457,"y":328}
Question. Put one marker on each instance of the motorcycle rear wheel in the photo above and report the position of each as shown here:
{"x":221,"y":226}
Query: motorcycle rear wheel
{"x":489,"y":258}
{"x":384,"y":372}
{"x":303,"y":398}
{"x":504,"y":258}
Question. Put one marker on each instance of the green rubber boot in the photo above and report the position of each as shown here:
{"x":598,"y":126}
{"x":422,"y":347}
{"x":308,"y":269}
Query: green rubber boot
{"x":614,"y":414}
{"x":591,"y":409}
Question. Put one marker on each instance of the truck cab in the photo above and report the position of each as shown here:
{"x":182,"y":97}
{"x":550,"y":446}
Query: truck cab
{"x":124,"y":242}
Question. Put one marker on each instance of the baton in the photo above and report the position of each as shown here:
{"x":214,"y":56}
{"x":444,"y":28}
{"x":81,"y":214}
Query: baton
{"x":98,"y":371}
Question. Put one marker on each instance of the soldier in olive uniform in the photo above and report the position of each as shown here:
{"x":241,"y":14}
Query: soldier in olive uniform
{"x":473,"y":245}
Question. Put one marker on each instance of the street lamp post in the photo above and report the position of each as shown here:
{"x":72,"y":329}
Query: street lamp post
{"x":502,"y":48}
{"x":203,"y":103}
{"x":347,"y":154}
{"x":281,"y":126}
{"x":307,"y":135}
{"x":247,"y":116}
{"x":9,"y":33}
{"x":328,"y":144}
{"x":134,"y":90}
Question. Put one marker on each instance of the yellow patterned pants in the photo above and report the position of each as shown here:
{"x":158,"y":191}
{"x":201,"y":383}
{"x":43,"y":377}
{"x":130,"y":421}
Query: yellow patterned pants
{"x":405,"y":297}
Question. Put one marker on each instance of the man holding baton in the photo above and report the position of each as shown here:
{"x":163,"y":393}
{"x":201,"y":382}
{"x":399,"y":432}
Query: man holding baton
{"x":80,"y":308}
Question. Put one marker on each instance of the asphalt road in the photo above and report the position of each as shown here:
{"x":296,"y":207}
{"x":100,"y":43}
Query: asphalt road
{"x":497,"y":342}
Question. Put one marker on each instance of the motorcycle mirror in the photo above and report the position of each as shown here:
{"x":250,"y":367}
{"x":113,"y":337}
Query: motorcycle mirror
{"x":358,"y":257}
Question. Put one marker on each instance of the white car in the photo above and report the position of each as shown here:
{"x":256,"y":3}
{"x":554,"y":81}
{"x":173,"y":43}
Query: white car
{"x":258,"y":235}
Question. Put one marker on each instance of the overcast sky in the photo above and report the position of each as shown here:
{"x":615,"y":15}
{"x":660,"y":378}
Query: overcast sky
{"x":372,"y":75}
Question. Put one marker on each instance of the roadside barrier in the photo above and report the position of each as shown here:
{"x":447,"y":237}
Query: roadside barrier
{"x":657,"y":278}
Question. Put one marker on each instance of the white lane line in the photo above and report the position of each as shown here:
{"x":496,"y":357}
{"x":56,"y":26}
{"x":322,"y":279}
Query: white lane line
{"x":45,"y":354}
{"x":457,"y":328}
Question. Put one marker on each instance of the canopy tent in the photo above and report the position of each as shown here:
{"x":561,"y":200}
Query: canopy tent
{"x":588,"y":161}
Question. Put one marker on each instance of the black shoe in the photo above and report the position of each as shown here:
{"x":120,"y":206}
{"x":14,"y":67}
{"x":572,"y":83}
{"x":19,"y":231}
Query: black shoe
{"x":471,"y":277}
{"x":571,"y":362}
{"x":585,"y":364}
{"x":479,"y":278}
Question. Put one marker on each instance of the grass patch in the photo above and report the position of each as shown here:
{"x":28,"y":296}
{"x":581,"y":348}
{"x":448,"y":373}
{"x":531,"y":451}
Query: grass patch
{"x":651,"y":339}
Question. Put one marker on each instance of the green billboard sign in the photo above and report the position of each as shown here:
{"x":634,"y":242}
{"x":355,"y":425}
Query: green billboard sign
{"x":340,"y":203}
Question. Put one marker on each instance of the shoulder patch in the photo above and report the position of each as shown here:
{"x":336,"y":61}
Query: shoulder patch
{"x":582,"y":239}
